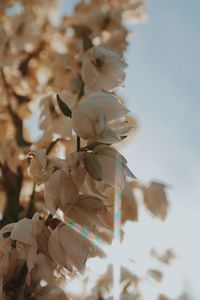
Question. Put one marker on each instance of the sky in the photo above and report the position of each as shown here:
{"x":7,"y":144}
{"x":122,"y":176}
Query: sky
{"x":162,"y":89}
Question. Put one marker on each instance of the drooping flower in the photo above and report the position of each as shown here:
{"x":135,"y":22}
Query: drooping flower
{"x":5,"y":250}
{"x":68,"y":248}
{"x":60,"y":192}
{"x":113,"y":165}
{"x":18,"y":245}
{"x":88,"y":211}
{"x":94,"y":118}
{"x":40,"y":167}
{"x":25,"y":232}
{"x":62,"y":187}
{"x":102,"y":69}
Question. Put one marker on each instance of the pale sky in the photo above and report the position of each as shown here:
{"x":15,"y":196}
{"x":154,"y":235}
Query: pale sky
{"x":163,"y":90}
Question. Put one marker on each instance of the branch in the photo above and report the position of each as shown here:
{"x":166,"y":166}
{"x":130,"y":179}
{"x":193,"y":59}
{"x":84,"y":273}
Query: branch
{"x":78,"y":143}
{"x":23,"y":66}
{"x":31,"y":210}
{"x":16,"y":120}
{"x":12,"y":183}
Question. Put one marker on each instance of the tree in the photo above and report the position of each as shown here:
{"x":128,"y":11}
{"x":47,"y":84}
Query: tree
{"x":57,"y":192}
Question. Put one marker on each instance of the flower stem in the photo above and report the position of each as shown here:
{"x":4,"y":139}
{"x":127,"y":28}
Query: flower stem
{"x":78,"y":143}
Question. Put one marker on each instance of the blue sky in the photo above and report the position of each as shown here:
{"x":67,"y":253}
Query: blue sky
{"x":162,"y":89}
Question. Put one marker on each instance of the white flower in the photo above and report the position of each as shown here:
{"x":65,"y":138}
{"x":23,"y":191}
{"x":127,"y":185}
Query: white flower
{"x":74,"y":167}
{"x":134,"y":10}
{"x":94,"y":117}
{"x":60,"y":192}
{"x":40,"y":167}
{"x":113,"y":165}
{"x":62,"y":178}
{"x":44,"y":269}
{"x":25,"y":232}
{"x":68,"y":248}
{"x":102,"y":69}
{"x":5,"y":250}
{"x":87,"y":211}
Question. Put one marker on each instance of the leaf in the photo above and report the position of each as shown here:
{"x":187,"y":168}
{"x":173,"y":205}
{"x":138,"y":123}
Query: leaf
{"x":128,"y":172}
{"x":165,"y":258}
{"x":63,"y":107}
{"x":129,"y":208}
{"x":155,"y":274}
{"x":92,"y":166}
{"x":163,"y":297}
{"x":155,"y":200}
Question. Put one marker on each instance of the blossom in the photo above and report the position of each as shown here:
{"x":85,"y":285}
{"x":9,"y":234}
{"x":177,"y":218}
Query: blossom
{"x":88,"y":211}
{"x":75,"y":167}
{"x":40,"y":57}
{"x":102,"y":69}
{"x":60,"y":192}
{"x":25,"y":232}
{"x":62,"y":177}
{"x":113,"y":165}
{"x":134,"y":10}
{"x":62,"y":186}
{"x":5,"y":250}
{"x":44,"y":268}
{"x":40,"y":167}
{"x":94,"y":117}
{"x":68,"y":248}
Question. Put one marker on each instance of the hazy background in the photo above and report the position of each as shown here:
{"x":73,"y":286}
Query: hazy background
{"x":162,"y":89}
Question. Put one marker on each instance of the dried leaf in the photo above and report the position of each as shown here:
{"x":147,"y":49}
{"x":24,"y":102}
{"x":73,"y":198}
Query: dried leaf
{"x":155,"y":200}
{"x":165,"y":258}
{"x":129,"y":204}
{"x":155,"y":274}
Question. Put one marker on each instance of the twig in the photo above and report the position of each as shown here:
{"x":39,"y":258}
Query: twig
{"x":78,"y":143}
{"x":30,"y":210}
{"x":51,"y":146}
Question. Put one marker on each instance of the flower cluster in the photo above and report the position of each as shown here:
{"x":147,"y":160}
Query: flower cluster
{"x":58,"y":188}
